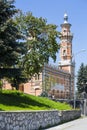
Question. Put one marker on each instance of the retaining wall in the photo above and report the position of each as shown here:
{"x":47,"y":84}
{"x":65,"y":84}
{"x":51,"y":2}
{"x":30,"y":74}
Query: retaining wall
{"x":69,"y":115}
{"x":34,"y":120}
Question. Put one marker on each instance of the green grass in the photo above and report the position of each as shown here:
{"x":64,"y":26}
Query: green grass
{"x":15,"y":100}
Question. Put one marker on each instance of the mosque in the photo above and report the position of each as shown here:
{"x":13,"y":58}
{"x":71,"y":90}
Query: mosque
{"x":56,"y":81}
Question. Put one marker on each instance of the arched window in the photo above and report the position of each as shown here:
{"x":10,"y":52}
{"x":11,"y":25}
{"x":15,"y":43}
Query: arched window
{"x":64,"y":52}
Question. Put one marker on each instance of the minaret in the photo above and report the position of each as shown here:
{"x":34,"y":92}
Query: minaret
{"x":66,"y":63}
{"x":66,"y":46}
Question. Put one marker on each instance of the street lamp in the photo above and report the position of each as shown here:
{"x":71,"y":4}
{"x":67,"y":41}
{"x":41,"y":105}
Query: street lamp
{"x":73,"y":56}
{"x":84,"y":87}
{"x":84,"y":97}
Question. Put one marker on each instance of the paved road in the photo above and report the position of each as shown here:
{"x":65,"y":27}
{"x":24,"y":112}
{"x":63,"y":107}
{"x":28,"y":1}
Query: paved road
{"x":79,"y":124}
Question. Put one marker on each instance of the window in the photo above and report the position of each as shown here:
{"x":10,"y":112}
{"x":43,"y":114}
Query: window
{"x":37,"y":76}
{"x":64,"y":52}
{"x":64,"y":30}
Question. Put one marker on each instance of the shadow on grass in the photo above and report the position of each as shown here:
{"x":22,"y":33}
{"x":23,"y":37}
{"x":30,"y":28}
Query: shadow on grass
{"x":1,"y":109}
{"x":20,"y":100}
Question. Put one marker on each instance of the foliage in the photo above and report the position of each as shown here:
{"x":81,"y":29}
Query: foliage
{"x":13,"y":75}
{"x":14,"y":100}
{"x":44,"y":94}
{"x":26,"y":42}
{"x":40,"y":39}
{"x":82,"y":79}
{"x":10,"y":49}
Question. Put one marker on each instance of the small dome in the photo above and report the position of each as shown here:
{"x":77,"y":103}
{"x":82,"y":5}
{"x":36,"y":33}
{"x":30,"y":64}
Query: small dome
{"x":65,"y":18}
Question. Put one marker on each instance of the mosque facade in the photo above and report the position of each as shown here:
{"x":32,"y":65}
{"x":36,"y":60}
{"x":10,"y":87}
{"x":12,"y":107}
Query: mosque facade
{"x":57,"y":81}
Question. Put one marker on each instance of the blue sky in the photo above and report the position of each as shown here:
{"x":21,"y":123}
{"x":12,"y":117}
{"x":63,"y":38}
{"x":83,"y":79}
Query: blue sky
{"x":53,"y":11}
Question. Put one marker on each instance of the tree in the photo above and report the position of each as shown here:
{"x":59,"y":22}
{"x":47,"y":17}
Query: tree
{"x":82,"y":79}
{"x":10,"y":49}
{"x":26,"y":41}
{"x":41,"y":42}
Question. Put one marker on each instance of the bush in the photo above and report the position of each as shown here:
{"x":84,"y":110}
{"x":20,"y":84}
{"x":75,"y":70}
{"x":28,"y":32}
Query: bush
{"x":44,"y":94}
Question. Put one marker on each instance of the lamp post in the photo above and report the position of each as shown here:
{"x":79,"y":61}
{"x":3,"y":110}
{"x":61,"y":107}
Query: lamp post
{"x":84,"y":97}
{"x":73,"y":57}
{"x":84,"y":84}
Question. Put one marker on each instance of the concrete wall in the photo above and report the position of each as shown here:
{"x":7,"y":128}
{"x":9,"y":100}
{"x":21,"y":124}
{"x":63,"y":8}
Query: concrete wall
{"x":34,"y":120}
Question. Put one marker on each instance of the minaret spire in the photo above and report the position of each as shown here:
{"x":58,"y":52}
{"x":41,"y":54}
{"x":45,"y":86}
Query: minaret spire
{"x":65,"y":18}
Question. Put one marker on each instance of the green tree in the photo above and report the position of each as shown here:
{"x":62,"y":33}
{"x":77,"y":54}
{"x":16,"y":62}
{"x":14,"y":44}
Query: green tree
{"x":82,"y":79}
{"x":40,"y":39}
{"x":10,"y":46}
{"x":10,"y":49}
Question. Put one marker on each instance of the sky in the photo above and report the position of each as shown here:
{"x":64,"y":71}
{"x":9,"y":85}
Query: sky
{"x":53,"y":11}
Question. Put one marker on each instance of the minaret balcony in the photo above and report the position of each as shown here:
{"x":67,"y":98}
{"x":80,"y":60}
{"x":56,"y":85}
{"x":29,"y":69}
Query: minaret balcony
{"x":67,"y":34}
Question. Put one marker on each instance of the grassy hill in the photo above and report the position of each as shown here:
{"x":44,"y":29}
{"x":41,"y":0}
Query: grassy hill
{"x":15,"y":100}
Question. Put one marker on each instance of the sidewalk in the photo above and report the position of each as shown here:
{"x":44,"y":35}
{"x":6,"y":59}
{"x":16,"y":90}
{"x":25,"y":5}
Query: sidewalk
{"x":78,"y":124}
